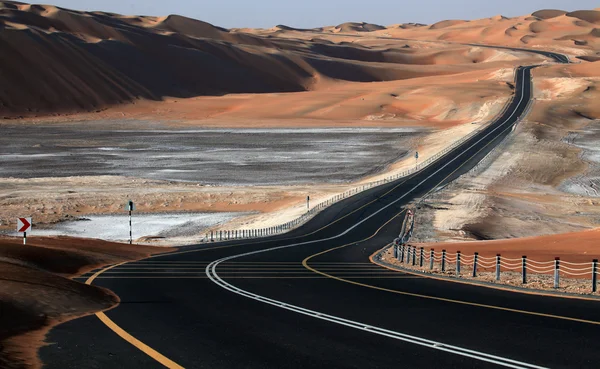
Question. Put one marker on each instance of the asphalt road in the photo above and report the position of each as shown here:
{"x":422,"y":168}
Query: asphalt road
{"x":311,"y":299}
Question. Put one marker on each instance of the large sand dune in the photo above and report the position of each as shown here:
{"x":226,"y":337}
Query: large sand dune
{"x":59,"y":60}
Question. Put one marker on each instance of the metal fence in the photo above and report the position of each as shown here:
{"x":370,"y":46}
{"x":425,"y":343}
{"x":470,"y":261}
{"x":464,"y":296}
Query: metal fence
{"x":225,"y":235}
{"x":470,"y":265}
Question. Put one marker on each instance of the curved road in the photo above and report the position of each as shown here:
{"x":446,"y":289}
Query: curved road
{"x":311,"y":299}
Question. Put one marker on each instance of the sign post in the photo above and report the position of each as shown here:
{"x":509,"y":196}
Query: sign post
{"x":24,"y":226}
{"x":130,"y":206}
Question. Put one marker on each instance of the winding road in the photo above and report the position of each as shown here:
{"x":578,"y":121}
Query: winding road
{"x":311,"y":298}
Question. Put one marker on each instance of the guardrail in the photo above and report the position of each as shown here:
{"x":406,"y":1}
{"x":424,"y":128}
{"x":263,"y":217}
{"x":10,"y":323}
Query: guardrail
{"x":469,"y":266}
{"x":227,"y":235}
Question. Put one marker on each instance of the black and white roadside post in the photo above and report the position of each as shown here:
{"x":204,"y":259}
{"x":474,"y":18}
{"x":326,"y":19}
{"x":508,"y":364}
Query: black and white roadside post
{"x":458,"y":263}
{"x":594,"y":275}
{"x":421,"y":257}
{"x":524,"y":269}
{"x":130,"y":207}
{"x":498,"y":267}
{"x":475,"y":260}
{"x":556,"y":272}
{"x":443,"y":261}
{"x":431,"y":258}
{"x":307,"y":202}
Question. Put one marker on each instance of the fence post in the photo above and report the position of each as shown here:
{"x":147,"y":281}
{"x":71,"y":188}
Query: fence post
{"x":431,"y":257}
{"x":220,"y":235}
{"x":556,"y":272}
{"x":457,"y":263}
{"x":414,"y":256}
{"x":443,"y":261}
{"x":408,"y":254}
{"x":395,"y":251}
{"x":594,"y":275}
{"x":475,"y":260}
{"x":421,"y":258}
{"x":402,"y":253}
{"x":524,"y":269}
{"x":211,"y":237}
{"x":498,"y":267}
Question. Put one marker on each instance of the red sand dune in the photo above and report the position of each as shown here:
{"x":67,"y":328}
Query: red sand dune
{"x":60,"y":60}
{"x":577,"y":247}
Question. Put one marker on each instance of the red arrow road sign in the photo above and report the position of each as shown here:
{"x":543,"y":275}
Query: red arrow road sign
{"x":23,"y":224}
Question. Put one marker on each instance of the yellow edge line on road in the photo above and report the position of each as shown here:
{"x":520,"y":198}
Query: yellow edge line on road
{"x":305,"y":264}
{"x":171,"y":364}
{"x":128,"y":337}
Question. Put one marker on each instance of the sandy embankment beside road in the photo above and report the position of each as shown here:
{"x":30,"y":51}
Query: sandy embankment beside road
{"x":37,"y":292}
{"x":542,"y":180}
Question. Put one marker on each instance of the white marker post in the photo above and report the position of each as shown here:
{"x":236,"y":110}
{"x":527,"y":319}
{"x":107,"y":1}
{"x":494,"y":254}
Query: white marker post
{"x":24,"y":226}
{"x":130,"y":206}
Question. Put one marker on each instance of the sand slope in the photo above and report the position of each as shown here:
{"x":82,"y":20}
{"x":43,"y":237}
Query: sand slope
{"x":60,"y":60}
{"x":36,"y":293}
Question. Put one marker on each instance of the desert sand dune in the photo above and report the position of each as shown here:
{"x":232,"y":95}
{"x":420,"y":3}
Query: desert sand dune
{"x":548,"y":13}
{"x":358,"y":27}
{"x":65,"y":61}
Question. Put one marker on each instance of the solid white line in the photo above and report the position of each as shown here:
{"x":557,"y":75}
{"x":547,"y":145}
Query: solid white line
{"x":214,"y":277}
{"x":211,"y":272}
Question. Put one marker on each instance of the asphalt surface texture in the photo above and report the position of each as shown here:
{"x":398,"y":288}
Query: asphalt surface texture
{"x":311,"y":298}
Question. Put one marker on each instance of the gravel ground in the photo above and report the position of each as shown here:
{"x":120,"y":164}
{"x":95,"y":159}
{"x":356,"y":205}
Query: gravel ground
{"x":116,"y":227}
{"x":205,"y":156}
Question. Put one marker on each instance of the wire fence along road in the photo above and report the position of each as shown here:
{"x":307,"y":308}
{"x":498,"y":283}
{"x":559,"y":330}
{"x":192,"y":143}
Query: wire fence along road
{"x":470,"y":265}
{"x":226,"y":235}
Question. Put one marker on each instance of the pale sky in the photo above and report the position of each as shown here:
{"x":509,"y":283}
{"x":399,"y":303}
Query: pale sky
{"x":314,"y":13}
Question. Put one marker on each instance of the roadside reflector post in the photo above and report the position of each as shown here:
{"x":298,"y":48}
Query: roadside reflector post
{"x":211,"y":236}
{"x":402,"y":253}
{"x":421,"y":257}
{"x":414,"y":255}
{"x":457,"y":263}
{"x":475,"y":260}
{"x":556,"y":272}
{"x":595,"y":275}
{"x":443,"y":261}
{"x":498,"y":267}
{"x":220,"y":235}
{"x":524,"y":269}
{"x":431,"y":257}
{"x":395,"y":251}
{"x":24,"y":238}
{"x":130,"y":206}
{"x":407,"y":254}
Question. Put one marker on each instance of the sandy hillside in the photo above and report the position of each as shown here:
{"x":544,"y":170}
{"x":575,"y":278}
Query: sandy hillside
{"x":544,"y":179}
{"x":67,"y":61}
{"x":36,"y":291}
{"x":576,"y":33}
